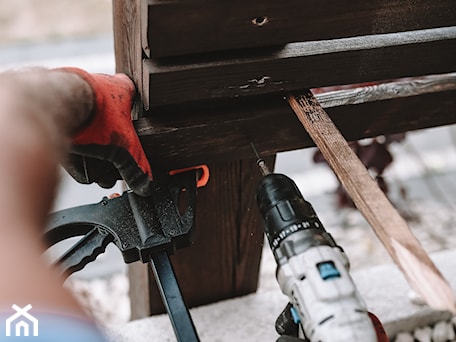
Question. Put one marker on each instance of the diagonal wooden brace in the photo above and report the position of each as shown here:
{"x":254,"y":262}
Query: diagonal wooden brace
{"x":392,"y":230}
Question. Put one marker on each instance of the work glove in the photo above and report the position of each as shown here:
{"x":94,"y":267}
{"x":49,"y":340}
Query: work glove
{"x":107,"y":148}
{"x":288,"y":330}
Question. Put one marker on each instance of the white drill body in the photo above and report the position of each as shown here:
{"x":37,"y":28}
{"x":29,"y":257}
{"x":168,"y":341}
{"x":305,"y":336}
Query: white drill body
{"x":326,"y":300}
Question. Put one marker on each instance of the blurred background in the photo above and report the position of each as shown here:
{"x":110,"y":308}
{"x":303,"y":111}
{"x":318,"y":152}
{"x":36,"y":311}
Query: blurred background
{"x":421,"y":178}
{"x":35,"y":21}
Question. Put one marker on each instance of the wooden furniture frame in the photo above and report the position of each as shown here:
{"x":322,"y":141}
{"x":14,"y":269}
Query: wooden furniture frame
{"x":212,"y":76}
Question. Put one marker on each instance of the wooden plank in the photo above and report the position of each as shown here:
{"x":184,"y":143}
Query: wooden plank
{"x":391,"y":229}
{"x":224,"y":133}
{"x":300,"y":66}
{"x":196,"y":26}
{"x":138,"y":291}
{"x":224,"y":259}
{"x":127,"y":43}
{"x":386,"y":91}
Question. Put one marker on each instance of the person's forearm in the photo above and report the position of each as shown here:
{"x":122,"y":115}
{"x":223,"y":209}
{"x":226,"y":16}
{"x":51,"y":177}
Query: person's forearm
{"x":60,"y":101}
{"x":39,"y":110}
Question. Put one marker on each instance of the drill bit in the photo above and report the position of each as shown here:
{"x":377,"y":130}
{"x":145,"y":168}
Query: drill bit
{"x":260,"y":161}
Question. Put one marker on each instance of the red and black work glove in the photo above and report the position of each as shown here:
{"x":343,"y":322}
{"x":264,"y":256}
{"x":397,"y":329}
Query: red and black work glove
{"x":107,"y":148}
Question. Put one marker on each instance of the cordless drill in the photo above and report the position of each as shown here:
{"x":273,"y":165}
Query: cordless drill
{"x":312,"y":270}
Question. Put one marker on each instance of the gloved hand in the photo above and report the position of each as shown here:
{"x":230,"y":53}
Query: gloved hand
{"x":288,"y":329}
{"x":107,"y":148}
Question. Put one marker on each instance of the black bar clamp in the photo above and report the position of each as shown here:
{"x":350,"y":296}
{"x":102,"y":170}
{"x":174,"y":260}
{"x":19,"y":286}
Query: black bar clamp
{"x":146,"y":229}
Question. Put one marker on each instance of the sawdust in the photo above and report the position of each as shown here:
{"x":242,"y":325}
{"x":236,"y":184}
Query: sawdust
{"x":25,"y":21}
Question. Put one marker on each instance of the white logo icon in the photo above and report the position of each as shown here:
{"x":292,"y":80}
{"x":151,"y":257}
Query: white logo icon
{"x":21,"y":321}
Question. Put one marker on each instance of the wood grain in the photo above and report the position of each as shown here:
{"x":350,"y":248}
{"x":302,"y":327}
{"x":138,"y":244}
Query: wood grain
{"x":300,"y":66}
{"x":389,"y":226}
{"x":222,"y":133}
{"x":210,"y":25}
{"x":386,"y":91}
{"x":127,"y":44}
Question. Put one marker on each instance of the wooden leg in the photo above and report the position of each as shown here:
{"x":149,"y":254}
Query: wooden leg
{"x":138,"y":274}
{"x":224,"y":259}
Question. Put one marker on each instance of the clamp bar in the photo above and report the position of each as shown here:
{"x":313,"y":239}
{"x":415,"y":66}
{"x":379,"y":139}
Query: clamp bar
{"x":172,"y":298}
{"x":161,"y":265}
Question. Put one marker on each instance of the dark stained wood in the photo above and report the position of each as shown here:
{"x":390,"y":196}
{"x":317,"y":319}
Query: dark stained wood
{"x":127,"y":43}
{"x":195,"y":26}
{"x":223,"y":261}
{"x":391,"y":229}
{"x":224,"y":133}
{"x":300,"y":66}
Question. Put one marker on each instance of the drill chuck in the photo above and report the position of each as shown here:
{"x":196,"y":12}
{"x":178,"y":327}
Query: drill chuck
{"x":291,"y":224}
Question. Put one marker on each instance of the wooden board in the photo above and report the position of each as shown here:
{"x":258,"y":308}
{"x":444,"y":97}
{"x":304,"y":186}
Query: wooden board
{"x":299,"y":66}
{"x":224,"y":133}
{"x":193,"y":26}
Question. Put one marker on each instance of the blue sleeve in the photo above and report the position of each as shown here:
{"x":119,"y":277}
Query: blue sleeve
{"x":49,"y":328}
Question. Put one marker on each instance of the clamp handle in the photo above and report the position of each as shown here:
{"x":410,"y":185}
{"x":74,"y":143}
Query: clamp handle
{"x":163,"y":226}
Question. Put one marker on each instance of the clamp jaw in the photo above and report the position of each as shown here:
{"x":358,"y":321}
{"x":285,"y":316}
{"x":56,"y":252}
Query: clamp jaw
{"x":145,"y":229}
{"x":137,"y":225}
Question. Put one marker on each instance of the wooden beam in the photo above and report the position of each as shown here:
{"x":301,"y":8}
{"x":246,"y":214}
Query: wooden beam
{"x":391,"y":229}
{"x":175,"y":140}
{"x":127,"y":44}
{"x":224,"y":259}
{"x":196,"y":26}
{"x":300,"y":66}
